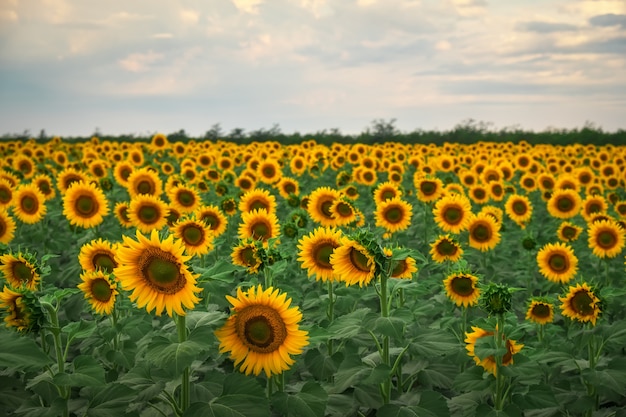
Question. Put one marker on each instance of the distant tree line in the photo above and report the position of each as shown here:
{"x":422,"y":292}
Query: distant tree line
{"x":380,"y":131}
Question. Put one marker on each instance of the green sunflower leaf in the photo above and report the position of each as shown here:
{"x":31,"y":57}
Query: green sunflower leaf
{"x":173,"y":357}
{"x":309,"y":402}
{"x":21,"y":353}
{"x":85,"y":371}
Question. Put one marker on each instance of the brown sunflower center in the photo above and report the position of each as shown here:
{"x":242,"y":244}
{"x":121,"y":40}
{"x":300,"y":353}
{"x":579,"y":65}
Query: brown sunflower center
{"x":71,"y":179}
{"x":193,"y":235}
{"x":29,"y":204}
{"x":321,"y":254}
{"x":86,"y":206}
{"x":428,"y":187}
{"x":289,"y":188}
{"x":148,"y":214}
{"x":248,"y":257}
{"x":594,"y":207}
{"x":259,"y":204}
{"x":519,"y":208}
{"x":44,"y":187}
{"x":101,"y":290}
{"x":569,"y":232}
{"x":125,"y":172}
{"x":399,"y":268}
{"x":260,"y":328}
{"x":22,"y":272}
{"x":481,"y":232}
{"x":325,"y":208}
{"x":453,"y":215}
{"x":558,"y":262}
{"x":98,"y":171}
{"x":359,"y":260}
{"x":462,"y":285}
{"x":260,"y":230}
{"x":447,"y":248}
{"x":582,"y":303}
{"x":161,"y":271}
{"x":393,"y":214}
{"x":606,"y":239}
{"x":269,"y":171}
{"x":344,"y":209}
{"x":186,"y":198}
{"x":145,"y":186}
{"x":104,"y":261}
{"x":211,"y":220}
{"x":5,"y":195}
{"x":541,"y":311}
{"x":3,"y":227}
{"x":479,"y":193}
{"x":564,"y":204}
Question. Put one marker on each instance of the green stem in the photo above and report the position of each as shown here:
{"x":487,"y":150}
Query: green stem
{"x":267,"y":274}
{"x":269,"y":387}
{"x":184,"y":388}
{"x":384,"y":312}
{"x":330,"y":312}
{"x":500,"y":381}
{"x":55,"y":328}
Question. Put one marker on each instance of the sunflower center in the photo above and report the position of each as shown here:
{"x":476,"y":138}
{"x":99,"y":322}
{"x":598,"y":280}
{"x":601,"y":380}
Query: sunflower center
{"x":344,"y":209}
{"x":520,"y":208}
{"x":211,"y":220}
{"x":259,"y":204}
{"x":22,"y":272}
{"x":3,"y":227}
{"x":481,"y":233}
{"x":479,"y":194}
{"x":186,"y":198}
{"x":193,"y":235}
{"x":44,"y":187}
{"x":161,"y":271}
{"x":148,"y":214}
{"x":260,"y":328}
{"x":558,"y":262}
{"x":462,"y":286}
{"x":428,"y":187}
{"x":606,"y":239}
{"x":260,"y":230}
{"x":359,"y":260}
{"x":5,"y":195}
{"x":247,"y":255}
{"x":565,"y":204}
{"x":594,"y":208}
{"x":446,"y":248}
{"x":582,"y":303}
{"x":145,"y":187}
{"x":269,"y":172}
{"x":29,"y":204}
{"x":453,"y":215}
{"x":399,"y":268}
{"x":289,"y":188}
{"x":325,"y":208}
{"x":541,"y":311}
{"x":569,"y":232}
{"x":104,"y":261}
{"x":101,"y":290}
{"x":394,"y":214}
{"x":387,"y":195}
{"x":322,"y":253}
{"x":86,"y":206}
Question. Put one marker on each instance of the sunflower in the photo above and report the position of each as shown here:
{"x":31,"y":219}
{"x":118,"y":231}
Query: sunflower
{"x":479,"y":193}
{"x":452,"y":213}
{"x":540,"y":312}
{"x":581,"y":304}
{"x":19,"y":271}
{"x":184,"y":198}
{"x":393,"y":214}
{"x":496,"y":190}
{"x":352,"y":263}
{"x":229,"y":206}
{"x":196,"y":235}
{"x":489,"y":363}
{"x":519,"y":209}
{"x":428,"y":189}
{"x":564,"y":203}
{"x":320,"y":201}
{"x":6,"y":193}
{"x":402,"y":268}
{"x":144,"y":181}
{"x":84,"y":205}
{"x":269,"y":171}
{"x":147,"y":212}
{"x":98,"y":255}
{"x":315,"y":249}
{"x":246,"y":254}
{"x":44,"y":183}
{"x":69,"y":176}
{"x":343,"y":212}
{"x":29,"y":204}
{"x":7,"y":227}
{"x":484,"y":232}
{"x":557,"y":262}
{"x":606,"y":238}
{"x":263,"y":331}
{"x":288,"y":186}
{"x":385,"y":191}
{"x":121,"y":172}
{"x":121,"y":213}
{"x":445,"y":248}
{"x":100,"y":290}
{"x":19,"y":315}
{"x":592,"y":205}
{"x":568,"y":232}
{"x":158,"y":143}
{"x":155,"y":271}
{"x":259,"y":225}
{"x":213,"y":217}
{"x":462,"y":288}
{"x":257,"y":198}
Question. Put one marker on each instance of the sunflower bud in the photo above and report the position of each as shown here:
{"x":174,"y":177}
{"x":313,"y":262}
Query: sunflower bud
{"x":529,"y":243}
{"x":496,"y":299}
{"x":290,"y":230}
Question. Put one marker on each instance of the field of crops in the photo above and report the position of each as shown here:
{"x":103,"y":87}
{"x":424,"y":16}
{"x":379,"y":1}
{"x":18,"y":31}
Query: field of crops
{"x":212,"y":278}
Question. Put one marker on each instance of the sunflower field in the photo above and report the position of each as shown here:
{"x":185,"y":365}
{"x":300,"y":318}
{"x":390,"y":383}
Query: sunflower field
{"x":160,"y":277}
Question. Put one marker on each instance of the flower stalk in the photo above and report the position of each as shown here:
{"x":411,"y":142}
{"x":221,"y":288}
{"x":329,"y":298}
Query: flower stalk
{"x":184,"y":388}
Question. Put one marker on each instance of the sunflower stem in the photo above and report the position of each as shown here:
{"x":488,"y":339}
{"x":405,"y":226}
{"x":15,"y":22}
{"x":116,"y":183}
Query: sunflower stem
{"x":330,"y":312}
{"x":384,"y":312}
{"x":500,"y":382}
{"x":55,"y":328}
{"x":184,"y":388}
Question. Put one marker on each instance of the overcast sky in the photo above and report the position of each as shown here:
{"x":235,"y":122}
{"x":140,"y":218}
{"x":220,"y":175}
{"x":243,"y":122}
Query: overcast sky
{"x":142,"y":66}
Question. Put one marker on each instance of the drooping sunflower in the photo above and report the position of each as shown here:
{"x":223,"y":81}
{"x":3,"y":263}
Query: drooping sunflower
{"x":315,"y":249}
{"x":564,"y":203}
{"x":144,"y":181}
{"x":445,"y":248}
{"x":148,"y":212}
{"x":257,"y":198}
{"x":263,"y":332}
{"x":580,"y":303}
{"x":519,"y":209}
{"x":489,"y":363}
{"x":540,"y":312}
{"x":155,"y":271}
{"x":393,"y":214}
{"x":6,"y":193}
{"x":246,"y":254}
{"x":100,"y":290}
{"x":29,"y":204}
{"x":121,"y":213}
{"x":352,"y":263}
{"x":401,"y":268}
{"x":452,"y":213}
{"x":320,"y":201}
{"x":429,"y":189}
{"x":213,"y":217}
{"x":196,"y":235}
{"x":557,"y":262}
{"x":98,"y":255}
{"x":462,"y":288}
{"x":484,"y":232}
{"x":85,"y":205}
{"x":19,"y":271}
{"x":606,"y":238}
{"x":184,"y":198}
{"x":259,"y":225}
{"x":18,"y":314}
{"x":7,"y":227}
{"x":568,"y":232}
{"x":385,"y":191}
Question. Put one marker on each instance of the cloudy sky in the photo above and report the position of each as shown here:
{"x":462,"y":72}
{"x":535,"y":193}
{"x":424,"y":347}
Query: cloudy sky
{"x":141,"y":66}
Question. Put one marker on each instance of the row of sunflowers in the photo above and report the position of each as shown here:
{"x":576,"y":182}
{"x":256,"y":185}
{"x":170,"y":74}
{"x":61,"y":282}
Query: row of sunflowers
{"x":213,"y":278}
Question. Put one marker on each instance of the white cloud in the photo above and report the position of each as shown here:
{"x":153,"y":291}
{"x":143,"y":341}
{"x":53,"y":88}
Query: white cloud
{"x":139,"y":62}
{"x":189,"y":17}
{"x":248,"y":6}
{"x":8,"y":15}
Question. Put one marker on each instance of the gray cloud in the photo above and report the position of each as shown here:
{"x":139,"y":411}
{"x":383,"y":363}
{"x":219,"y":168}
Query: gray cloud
{"x":609,"y":19}
{"x":545,"y":27}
